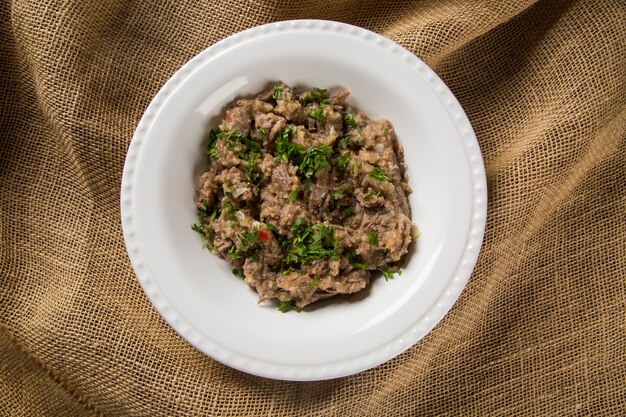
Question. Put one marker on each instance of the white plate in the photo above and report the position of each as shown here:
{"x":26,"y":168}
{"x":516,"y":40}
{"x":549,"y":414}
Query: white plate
{"x":195,"y":291}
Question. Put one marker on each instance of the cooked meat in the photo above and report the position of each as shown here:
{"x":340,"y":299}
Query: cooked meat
{"x":306,"y":198}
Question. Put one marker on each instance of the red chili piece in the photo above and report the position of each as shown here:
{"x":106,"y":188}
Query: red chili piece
{"x":264,"y":236}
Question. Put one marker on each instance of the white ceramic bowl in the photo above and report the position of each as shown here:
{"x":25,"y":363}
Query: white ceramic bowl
{"x":195,"y":291}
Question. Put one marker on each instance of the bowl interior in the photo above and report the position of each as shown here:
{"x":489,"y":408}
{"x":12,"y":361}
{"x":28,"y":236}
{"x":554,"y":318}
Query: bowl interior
{"x":201,"y":288}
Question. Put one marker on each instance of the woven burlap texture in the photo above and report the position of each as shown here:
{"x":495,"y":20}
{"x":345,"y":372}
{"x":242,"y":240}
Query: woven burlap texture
{"x":539,"y":329}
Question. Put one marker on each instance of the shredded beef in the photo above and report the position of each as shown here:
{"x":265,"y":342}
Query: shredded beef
{"x":304,"y":195}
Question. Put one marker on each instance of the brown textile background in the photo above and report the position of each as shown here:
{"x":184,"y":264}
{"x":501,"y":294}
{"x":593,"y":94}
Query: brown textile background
{"x":539,"y":329}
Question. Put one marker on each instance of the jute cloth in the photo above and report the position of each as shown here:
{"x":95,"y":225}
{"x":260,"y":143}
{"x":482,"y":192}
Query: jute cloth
{"x":539,"y":330}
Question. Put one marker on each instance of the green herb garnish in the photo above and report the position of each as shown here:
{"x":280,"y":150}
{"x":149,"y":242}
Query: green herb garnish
{"x":285,"y":306}
{"x":247,"y":150}
{"x":234,"y":254}
{"x":349,"y":211}
{"x":283,"y":242}
{"x":212,"y":148}
{"x":261,"y":131}
{"x":308,"y":160}
{"x":202,"y":214}
{"x":238,"y":273}
{"x":227,"y":208}
{"x":342,"y":161}
{"x":388,"y":274}
{"x":372,"y":238}
{"x":277,"y":93}
{"x":317,"y":94}
{"x":250,"y":167}
{"x":310,"y":242}
{"x":231,"y":138}
{"x":317,"y":114}
{"x":370,"y":195}
{"x":314,"y":160}
{"x":313,"y":283}
{"x":351,"y":121}
{"x":249,"y":156}
{"x":379,"y":175}
{"x":343,"y":142}
{"x":285,"y":149}
{"x":293,"y":195}
{"x":199,"y":228}
{"x":354,"y":167}
{"x":248,"y":240}
{"x":355,"y":261}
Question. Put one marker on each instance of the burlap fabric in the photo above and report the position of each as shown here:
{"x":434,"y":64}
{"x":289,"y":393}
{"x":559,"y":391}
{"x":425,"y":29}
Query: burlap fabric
{"x":539,"y":329}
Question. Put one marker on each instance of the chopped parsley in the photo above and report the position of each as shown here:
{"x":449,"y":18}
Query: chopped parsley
{"x":261,"y":131}
{"x":313,"y":283}
{"x":346,"y":142}
{"x":247,"y":150}
{"x":212,"y":148}
{"x":197,"y":228}
{"x":349,"y":211}
{"x":286,"y":150}
{"x":372,"y":238}
{"x":277,"y":93}
{"x":317,"y":94}
{"x":356,"y":261}
{"x":238,"y":273}
{"x":285,"y":306}
{"x":227,"y":208}
{"x":231,"y":138}
{"x":310,"y":242}
{"x":359,"y":265}
{"x":346,"y":187}
{"x":370,"y":195}
{"x":308,"y":160}
{"x":351,"y":121}
{"x":342,"y":161}
{"x":317,"y":114}
{"x":202,"y":213}
{"x":250,"y":155}
{"x":379,"y":175}
{"x":250,"y":167}
{"x":248,"y":240}
{"x":234,"y":254}
{"x":314,"y":160}
{"x":354,"y":167}
{"x":283,"y":242}
{"x":388,"y":274}
{"x":293,"y":195}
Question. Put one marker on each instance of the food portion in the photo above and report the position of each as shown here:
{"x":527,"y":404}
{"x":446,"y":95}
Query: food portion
{"x":305,"y":198}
